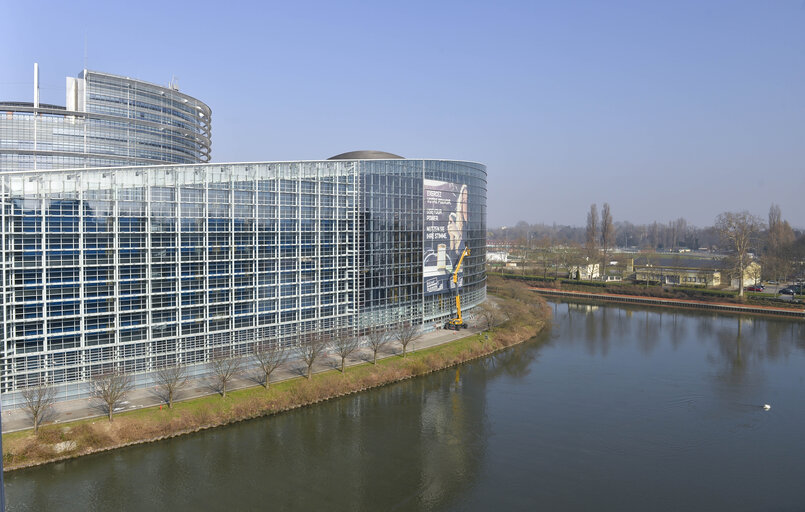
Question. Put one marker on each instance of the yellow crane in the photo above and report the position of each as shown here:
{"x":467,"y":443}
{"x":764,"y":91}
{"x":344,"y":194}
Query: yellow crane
{"x":457,"y":322}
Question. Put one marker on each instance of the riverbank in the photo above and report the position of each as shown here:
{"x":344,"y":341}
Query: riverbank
{"x":685,"y":293}
{"x":526,"y":315}
{"x":747,"y":309}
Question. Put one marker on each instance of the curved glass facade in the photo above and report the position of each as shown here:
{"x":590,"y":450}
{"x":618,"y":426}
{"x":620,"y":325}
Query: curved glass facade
{"x":137,"y":268}
{"x":108,"y":121}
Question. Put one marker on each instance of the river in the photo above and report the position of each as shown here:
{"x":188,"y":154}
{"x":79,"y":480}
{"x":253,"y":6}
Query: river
{"x":618,"y":408}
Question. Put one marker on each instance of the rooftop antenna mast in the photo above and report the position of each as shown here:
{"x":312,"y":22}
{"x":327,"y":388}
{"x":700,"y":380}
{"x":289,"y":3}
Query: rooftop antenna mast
{"x":36,"y":85}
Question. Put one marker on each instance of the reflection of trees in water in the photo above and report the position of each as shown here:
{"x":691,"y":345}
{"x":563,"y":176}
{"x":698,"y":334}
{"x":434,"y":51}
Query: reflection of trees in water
{"x":601,"y":328}
{"x":592,"y":325}
{"x":589,"y":324}
{"x":735,"y":357}
{"x":649,"y":336}
{"x":744,"y":343}
{"x":783,"y":337}
{"x":623,"y":323}
{"x":798,"y":335}
{"x":678,"y":329}
{"x":705,"y":327}
{"x":416,"y":444}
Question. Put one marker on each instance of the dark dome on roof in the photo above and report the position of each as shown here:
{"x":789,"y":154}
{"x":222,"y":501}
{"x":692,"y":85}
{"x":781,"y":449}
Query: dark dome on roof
{"x":366,"y":155}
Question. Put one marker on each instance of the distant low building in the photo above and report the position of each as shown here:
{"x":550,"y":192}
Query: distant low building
{"x":497,"y":256}
{"x":678,"y":270}
{"x":751,"y":276}
{"x":690,"y":271}
{"x":585,"y":272}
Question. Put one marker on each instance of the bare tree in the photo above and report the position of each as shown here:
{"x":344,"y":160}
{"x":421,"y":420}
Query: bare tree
{"x":345,"y":343}
{"x":591,"y":238}
{"x":37,"y":402}
{"x":775,"y":223}
{"x":111,"y":388}
{"x":311,"y":345}
{"x":678,"y":228}
{"x":225,"y":367}
{"x":570,"y":256}
{"x":739,"y":231}
{"x":169,"y":380}
{"x":545,"y":246}
{"x":607,"y":235}
{"x":776,"y":263}
{"x":377,"y":338}
{"x":489,"y":312}
{"x":654,"y":235}
{"x":406,"y":333}
{"x":269,"y":355}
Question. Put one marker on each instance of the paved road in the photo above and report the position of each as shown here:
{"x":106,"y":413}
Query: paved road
{"x":775,"y":288}
{"x":71,"y":410}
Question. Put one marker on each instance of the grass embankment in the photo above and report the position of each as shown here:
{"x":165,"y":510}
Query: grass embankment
{"x":525,"y":316}
{"x":656,"y":291}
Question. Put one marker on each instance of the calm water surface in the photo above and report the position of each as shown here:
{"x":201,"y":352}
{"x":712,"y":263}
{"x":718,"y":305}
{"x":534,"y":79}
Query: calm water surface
{"x":617,"y":409}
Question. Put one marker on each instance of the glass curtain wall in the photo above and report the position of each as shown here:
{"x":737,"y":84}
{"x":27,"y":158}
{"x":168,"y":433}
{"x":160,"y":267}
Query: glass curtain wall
{"x":119,"y":121}
{"x":133,"y":269}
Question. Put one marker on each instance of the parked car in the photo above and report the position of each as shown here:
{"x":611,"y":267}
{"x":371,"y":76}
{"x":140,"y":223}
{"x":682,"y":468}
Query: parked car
{"x":794,"y":289}
{"x":755,"y":288}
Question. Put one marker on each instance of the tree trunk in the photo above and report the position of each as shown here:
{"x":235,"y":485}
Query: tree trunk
{"x":374,"y":359}
{"x":110,"y":413}
{"x":342,"y":364}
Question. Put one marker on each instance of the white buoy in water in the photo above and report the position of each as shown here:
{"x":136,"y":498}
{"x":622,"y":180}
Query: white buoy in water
{"x":766,"y":407}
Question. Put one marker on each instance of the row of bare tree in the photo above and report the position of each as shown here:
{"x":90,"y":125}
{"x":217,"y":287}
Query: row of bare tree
{"x":110,"y":389}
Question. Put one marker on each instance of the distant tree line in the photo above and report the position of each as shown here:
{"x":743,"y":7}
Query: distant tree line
{"x":778,"y":247}
{"x":658,"y":236}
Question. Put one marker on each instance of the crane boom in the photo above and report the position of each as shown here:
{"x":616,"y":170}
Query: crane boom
{"x":458,"y":322}
{"x":466,"y":252}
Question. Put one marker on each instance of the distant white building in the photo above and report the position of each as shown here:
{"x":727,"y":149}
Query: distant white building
{"x":497,"y":256}
{"x":586,"y":272}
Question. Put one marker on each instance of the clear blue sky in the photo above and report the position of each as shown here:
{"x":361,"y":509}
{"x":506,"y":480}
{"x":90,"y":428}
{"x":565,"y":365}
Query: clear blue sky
{"x":662,"y":109}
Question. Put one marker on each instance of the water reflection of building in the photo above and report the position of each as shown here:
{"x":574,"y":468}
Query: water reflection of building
{"x":586,"y":308}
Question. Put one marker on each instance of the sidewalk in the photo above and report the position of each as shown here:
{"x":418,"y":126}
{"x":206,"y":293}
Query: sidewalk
{"x":18,"y":419}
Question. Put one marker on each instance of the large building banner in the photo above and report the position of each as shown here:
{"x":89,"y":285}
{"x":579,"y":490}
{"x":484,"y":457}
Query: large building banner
{"x":445,"y":233}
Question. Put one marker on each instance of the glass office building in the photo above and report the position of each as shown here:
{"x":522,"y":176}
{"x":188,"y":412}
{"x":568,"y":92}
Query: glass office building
{"x":136,"y":268}
{"x":108,"y":120}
